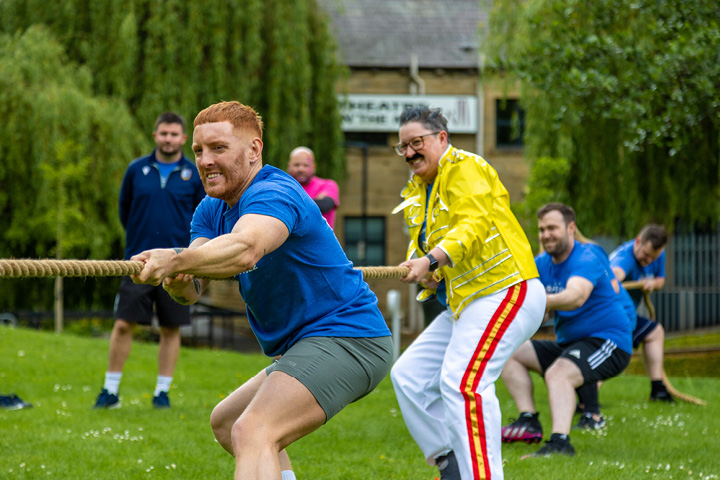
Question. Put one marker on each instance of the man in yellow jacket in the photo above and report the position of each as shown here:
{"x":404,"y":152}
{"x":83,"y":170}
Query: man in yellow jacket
{"x":468,"y":249}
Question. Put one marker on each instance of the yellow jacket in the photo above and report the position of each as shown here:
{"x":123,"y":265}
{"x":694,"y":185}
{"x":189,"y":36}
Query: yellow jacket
{"x":470,"y":220}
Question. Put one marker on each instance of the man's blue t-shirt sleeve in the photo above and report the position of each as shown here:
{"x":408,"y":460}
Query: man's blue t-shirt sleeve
{"x":659,"y":265}
{"x":205,"y":222}
{"x":282,"y":204}
{"x":588,"y":267}
{"x":624,"y":259}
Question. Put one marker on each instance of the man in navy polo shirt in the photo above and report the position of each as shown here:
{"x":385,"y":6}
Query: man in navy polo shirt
{"x":158,"y":196}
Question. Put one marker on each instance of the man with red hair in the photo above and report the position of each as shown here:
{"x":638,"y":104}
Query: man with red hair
{"x":305,"y":302}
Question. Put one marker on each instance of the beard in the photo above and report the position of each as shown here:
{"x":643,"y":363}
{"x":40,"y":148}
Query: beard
{"x":168,"y":150}
{"x":557,"y":248}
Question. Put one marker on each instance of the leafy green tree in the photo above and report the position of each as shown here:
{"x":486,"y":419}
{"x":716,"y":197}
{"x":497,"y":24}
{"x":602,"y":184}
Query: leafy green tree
{"x":64,"y":151}
{"x":629,"y":92}
{"x":548,"y":182}
{"x":274,"y":55}
{"x":99,"y":69}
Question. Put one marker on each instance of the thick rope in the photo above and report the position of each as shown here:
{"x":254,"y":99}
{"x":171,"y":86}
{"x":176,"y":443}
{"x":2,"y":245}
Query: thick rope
{"x":26,"y":268}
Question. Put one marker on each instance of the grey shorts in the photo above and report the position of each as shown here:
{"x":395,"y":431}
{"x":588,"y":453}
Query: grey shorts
{"x":337,"y":370}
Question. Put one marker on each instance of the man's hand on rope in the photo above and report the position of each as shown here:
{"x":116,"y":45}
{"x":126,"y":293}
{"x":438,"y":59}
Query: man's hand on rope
{"x":418,"y":271}
{"x":157,"y":265}
{"x":178,"y":287}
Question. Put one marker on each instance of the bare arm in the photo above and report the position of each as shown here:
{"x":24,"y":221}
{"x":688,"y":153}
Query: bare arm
{"x":185,"y":288}
{"x":619,"y":273}
{"x":576,"y":293}
{"x":252,"y":237}
{"x":652,"y":284}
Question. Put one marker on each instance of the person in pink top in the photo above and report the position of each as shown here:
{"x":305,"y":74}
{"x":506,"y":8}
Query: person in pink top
{"x":325,"y":192}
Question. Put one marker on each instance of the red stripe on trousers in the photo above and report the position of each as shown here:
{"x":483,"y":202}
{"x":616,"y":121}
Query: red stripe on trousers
{"x":472,"y":398}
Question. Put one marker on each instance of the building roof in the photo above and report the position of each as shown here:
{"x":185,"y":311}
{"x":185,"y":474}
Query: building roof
{"x":385,"y":33}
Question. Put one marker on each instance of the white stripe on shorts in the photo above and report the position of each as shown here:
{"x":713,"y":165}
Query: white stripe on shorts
{"x":603,"y":353}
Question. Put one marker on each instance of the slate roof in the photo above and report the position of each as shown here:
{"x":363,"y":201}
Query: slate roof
{"x":384,"y":33}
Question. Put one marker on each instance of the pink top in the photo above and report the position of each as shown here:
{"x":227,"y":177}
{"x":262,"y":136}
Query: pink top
{"x":316,"y":186}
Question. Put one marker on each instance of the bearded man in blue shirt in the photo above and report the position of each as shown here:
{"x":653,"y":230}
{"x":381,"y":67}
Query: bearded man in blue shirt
{"x":305,"y":302}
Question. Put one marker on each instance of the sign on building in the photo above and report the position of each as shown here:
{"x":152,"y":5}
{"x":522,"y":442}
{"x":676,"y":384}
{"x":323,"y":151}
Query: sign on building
{"x":381,"y":113}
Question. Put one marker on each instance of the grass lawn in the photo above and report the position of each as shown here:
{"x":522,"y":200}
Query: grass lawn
{"x":63,"y":437}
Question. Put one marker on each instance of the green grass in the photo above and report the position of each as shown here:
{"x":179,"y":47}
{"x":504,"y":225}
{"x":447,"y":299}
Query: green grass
{"x":63,"y":437}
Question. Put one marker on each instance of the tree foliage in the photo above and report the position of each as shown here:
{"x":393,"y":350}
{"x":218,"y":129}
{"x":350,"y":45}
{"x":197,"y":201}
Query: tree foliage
{"x":629,"y":92}
{"x":64,"y":149}
{"x":274,"y":55}
{"x":82,"y":82}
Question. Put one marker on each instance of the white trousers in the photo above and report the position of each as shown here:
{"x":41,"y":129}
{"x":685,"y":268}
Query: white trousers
{"x":445,"y":380}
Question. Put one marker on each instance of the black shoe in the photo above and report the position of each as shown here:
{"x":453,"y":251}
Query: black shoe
{"x":13,"y":402}
{"x":526,"y":429}
{"x":587,"y":422}
{"x":107,"y":400}
{"x":661,"y":396}
{"x":555,"y":446}
{"x":448,"y":466}
{"x":161,"y":401}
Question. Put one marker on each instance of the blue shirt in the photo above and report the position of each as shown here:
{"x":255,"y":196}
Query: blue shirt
{"x":624,"y":258}
{"x":625,"y":298}
{"x":305,"y":288}
{"x":602,"y":314}
{"x":156,"y":213}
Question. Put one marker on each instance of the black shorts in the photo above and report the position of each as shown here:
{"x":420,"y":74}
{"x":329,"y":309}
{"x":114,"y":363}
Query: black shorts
{"x":642,"y":329}
{"x":597,"y":358}
{"x":134,"y":304}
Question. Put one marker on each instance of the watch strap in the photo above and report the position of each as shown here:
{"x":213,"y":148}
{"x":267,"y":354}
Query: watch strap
{"x":433,"y":262}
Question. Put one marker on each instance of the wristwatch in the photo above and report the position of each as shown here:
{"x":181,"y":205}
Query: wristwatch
{"x":433,"y":262}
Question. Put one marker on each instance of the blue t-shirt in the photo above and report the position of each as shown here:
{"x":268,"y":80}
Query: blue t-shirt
{"x":305,"y":288}
{"x":602,"y":314}
{"x":623,"y":257}
{"x":625,"y":299}
{"x":166,"y":169}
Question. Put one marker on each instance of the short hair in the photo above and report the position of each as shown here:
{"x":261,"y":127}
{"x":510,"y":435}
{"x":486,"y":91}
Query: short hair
{"x":170,"y":117}
{"x":655,"y":234}
{"x":432,"y":118}
{"x":241,"y":117}
{"x":566,"y":211}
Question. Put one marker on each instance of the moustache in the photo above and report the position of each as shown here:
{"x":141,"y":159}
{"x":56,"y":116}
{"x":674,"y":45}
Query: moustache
{"x":417,"y":156}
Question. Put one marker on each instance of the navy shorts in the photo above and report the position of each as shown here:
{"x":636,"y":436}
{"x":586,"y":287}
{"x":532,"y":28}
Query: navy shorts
{"x":597,"y":358}
{"x":643,"y":327}
{"x":134,"y":304}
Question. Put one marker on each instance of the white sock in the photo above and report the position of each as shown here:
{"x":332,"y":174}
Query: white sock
{"x":163,"y":385}
{"x":112,"y":382}
{"x":288,"y":475}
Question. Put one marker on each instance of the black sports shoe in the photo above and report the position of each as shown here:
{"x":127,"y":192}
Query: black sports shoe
{"x":13,"y":402}
{"x":448,"y":466}
{"x":661,"y":396}
{"x":107,"y":400}
{"x":555,"y":446}
{"x":161,"y":401}
{"x":526,"y":429}
{"x":587,"y":422}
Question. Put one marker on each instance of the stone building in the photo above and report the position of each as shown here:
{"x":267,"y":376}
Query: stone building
{"x":403,"y":52}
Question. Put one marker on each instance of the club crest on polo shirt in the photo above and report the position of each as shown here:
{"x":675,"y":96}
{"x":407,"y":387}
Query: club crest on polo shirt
{"x":186,"y":174}
{"x":575,"y":353}
{"x":146,"y":170}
